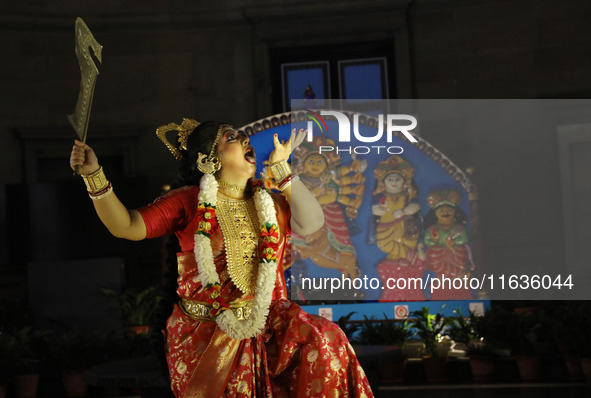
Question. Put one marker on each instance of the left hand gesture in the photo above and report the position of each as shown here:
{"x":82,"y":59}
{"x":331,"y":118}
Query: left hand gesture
{"x":283,"y":149}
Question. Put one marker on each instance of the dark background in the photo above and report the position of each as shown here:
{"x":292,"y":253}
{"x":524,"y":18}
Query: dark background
{"x":163,"y":61}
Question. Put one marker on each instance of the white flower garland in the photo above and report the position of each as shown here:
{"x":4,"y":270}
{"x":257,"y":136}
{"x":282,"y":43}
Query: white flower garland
{"x":227,"y":321}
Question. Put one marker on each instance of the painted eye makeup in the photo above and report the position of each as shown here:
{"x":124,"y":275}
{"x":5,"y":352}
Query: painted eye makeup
{"x":232,"y":135}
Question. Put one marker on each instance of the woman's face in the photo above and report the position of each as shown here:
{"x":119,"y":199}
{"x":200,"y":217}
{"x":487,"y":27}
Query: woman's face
{"x":237,"y":156}
{"x":446,"y":214}
{"x":394,"y":183}
{"x":314,"y":165}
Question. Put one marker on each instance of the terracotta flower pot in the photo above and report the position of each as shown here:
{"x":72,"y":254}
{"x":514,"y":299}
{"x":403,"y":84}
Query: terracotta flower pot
{"x":392,"y":372}
{"x":530,"y":367}
{"x":572,"y":362}
{"x":435,"y":369}
{"x":483,"y":367}
{"x":74,"y":384}
{"x":25,"y":386}
{"x":586,"y":366}
{"x":573,"y":365}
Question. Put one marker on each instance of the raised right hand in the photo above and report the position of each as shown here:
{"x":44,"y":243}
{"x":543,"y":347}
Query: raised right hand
{"x":82,"y":155}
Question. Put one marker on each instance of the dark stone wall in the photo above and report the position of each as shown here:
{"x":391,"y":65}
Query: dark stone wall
{"x":502,"y":49}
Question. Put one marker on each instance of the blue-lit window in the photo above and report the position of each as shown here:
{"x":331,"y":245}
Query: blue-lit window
{"x":305,"y":80}
{"x":363,"y":78}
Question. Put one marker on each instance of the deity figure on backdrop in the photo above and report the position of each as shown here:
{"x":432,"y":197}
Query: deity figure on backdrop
{"x":447,"y":242}
{"x":396,"y":226}
{"x":339,"y":190}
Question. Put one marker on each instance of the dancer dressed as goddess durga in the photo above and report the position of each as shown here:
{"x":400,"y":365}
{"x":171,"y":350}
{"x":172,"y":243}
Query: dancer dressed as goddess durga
{"x":233,"y":333}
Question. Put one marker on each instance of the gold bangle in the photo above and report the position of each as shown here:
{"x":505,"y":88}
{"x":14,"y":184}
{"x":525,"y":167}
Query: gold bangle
{"x":95,"y":182}
{"x":280,"y":170}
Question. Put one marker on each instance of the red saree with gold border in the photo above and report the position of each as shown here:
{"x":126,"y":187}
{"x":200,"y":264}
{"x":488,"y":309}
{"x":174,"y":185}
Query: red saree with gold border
{"x":296,"y":355}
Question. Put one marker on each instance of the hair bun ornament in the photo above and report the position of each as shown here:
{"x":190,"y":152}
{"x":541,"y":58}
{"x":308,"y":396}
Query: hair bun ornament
{"x":184,"y":131}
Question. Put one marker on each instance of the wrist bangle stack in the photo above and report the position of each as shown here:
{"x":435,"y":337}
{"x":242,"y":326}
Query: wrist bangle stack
{"x":282,"y":174}
{"x":95,"y":181}
{"x":280,"y":170}
{"x":97,"y":184}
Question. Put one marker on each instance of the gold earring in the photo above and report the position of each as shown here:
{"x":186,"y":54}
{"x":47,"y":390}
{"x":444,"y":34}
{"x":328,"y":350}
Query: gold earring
{"x":208,"y":165}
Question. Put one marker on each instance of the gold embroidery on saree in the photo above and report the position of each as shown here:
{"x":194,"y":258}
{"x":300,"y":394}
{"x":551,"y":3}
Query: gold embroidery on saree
{"x":239,"y":222}
{"x":185,"y":263}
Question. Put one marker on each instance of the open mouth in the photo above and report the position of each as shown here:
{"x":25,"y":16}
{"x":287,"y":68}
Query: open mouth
{"x":250,"y":156}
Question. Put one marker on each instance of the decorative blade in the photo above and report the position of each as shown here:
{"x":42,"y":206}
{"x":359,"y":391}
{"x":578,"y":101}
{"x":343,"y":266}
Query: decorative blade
{"x":89,"y":71}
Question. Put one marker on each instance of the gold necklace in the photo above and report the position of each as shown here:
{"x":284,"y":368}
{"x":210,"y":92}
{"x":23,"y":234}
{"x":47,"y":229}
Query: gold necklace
{"x":233,"y":187}
{"x":239,"y":224}
{"x":233,"y":197}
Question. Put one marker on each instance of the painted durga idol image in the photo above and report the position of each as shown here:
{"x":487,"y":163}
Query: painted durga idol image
{"x":396,"y":213}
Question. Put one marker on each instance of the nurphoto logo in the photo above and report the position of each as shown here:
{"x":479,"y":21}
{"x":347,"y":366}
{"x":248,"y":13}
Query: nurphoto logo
{"x":344,"y":135}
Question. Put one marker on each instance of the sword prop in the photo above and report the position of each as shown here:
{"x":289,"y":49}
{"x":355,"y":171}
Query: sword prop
{"x":89,"y":71}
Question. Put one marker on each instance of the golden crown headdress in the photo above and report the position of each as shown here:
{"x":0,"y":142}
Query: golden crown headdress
{"x":312,"y":148}
{"x":184,"y":131}
{"x":394,"y":164}
{"x":449,"y":197}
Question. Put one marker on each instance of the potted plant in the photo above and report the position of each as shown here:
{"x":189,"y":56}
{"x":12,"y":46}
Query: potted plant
{"x":566,"y":331}
{"x":7,"y":357}
{"x":122,"y":349}
{"x":431,"y":329}
{"x":530,"y":341}
{"x":137,"y":306}
{"x":476,"y":333}
{"x":73,"y":352}
{"x":579,"y":325}
{"x":30,"y":347}
{"x":383,"y":332}
{"x":391,"y":362}
{"x":347,"y":327}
